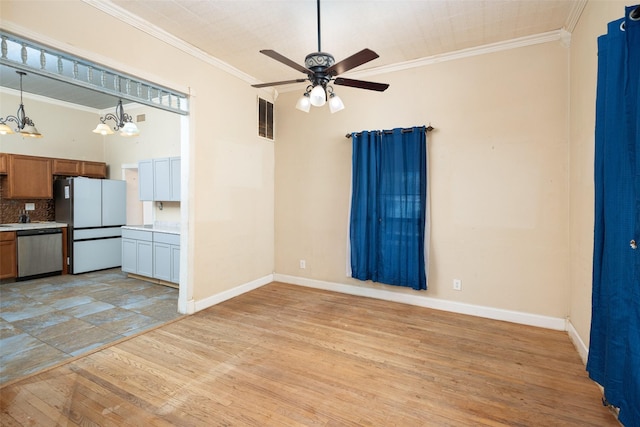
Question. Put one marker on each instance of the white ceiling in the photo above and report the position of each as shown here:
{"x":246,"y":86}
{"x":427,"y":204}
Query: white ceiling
{"x":398,"y":30}
{"x":234,"y":31}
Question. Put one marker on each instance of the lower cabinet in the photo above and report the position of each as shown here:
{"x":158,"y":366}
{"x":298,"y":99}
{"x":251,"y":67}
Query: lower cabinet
{"x":151,"y":254}
{"x":9,"y":264}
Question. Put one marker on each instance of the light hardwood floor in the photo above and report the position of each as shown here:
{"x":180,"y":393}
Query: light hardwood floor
{"x":285,"y":355}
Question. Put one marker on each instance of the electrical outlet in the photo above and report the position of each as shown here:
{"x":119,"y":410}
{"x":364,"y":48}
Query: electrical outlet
{"x":303,"y":264}
{"x":457,"y":284}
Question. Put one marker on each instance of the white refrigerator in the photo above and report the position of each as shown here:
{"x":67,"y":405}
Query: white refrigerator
{"x":94,"y":210}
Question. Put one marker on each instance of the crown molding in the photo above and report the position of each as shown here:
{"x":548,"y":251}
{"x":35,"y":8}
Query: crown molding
{"x":146,"y":27}
{"x":551,"y":36}
{"x":577,"y":7}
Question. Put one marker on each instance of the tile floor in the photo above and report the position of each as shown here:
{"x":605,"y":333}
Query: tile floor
{"x":44,"y":321}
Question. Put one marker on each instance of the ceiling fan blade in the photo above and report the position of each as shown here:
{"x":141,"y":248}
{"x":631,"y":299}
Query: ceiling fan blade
{"x":365,"y":55}
{"x":361,"y":84}
{"x":284,"y":82}
{"x":286,"y":61}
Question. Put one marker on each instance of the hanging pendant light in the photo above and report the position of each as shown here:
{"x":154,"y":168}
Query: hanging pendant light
{"x":124,"y":123}
{"x":25,"y":125}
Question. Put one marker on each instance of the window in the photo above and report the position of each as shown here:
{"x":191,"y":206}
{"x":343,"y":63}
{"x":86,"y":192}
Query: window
{"x":265,"y":119}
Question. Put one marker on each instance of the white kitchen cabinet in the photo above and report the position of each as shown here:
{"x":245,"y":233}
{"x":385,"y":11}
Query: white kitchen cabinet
{"x":159,"y":179}
{"x":152,"y":254}
{"x":175,"y":264}
{"x":137,"y":252}
{"x":165,"y":246}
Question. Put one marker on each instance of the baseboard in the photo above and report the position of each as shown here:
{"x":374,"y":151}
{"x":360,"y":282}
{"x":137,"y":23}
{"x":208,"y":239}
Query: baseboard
{"x":233,"y":292}
{"x":583,"y":350}
{"x":547,"y":322}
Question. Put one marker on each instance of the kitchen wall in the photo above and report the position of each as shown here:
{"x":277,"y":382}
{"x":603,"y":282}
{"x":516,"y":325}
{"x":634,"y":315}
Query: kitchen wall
{"x":499,"y":170}
{"x":583,"y":74}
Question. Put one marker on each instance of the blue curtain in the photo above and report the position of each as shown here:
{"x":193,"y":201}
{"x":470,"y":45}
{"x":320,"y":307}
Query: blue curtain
{"x":614,"y":349}
{"x":388,"y":207}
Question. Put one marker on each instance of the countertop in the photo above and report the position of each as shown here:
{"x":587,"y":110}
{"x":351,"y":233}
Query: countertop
{"x":18,"y":226}
{"x":159,"y":227}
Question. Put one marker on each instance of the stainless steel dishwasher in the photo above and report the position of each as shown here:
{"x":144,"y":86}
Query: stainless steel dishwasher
{"x":39,"y":252}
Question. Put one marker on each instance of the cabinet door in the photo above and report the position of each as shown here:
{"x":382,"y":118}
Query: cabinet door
{"x":93,"y":169}
{"x":162,"y":261}
{"x":3,"y":164}
{"x":145,"y":179}
{"x":129,"y":255}
{"x":9,"y":264}
{"x":66,"y":167}
{"x":29,"y":177}
{"x":145,"y":258}
{"x":175,"y":264}
{"x":162,"y":179}
{"x":175,"y":178}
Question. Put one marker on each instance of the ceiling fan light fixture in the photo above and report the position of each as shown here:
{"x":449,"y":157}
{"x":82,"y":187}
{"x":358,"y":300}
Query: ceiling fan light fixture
{"x":318,"y":96}
{"x":335,"y":103}
{"x":304,"y":103}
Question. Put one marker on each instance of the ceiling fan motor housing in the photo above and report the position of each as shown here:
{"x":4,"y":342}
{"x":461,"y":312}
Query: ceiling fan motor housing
{"x":318,"y":62}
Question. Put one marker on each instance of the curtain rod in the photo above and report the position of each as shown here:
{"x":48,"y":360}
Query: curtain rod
{"x":428,"y":129}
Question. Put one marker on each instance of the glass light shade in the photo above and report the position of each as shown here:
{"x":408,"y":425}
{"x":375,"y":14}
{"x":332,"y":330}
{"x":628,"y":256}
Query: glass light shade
{"x":5,"y":130}
{"x":318,"y":96}
{"x":103,"y":129}
{"x":335,"y":103}
{"x":304,"y":104}
{"x":129,"y":129}
{"x":30,"y":131}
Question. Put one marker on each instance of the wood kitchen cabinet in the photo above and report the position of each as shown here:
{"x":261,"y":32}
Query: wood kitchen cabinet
{"x":29,"y":177}
{"x":66,"y":167}
{"x":3,"y":163}
{"x":93,"y":169}
{"x":166,"y":256}
{"x":69,"y":167}
{"x":9,"y":264}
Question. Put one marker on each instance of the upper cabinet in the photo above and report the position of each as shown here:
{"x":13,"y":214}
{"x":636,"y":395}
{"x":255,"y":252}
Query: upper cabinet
{"x":68,"y":167}
{"x":159,"y":179}
{"x":29,"y":177}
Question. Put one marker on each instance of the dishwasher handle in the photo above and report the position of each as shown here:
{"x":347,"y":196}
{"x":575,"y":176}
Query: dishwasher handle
{"x":38,"y":231}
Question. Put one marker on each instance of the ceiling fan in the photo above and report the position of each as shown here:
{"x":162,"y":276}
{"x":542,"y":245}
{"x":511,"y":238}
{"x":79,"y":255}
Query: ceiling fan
{"x":321,"y":69}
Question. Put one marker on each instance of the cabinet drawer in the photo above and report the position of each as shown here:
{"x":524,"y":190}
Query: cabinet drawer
{"x":168,"y":238}
{"x":137,"y":235}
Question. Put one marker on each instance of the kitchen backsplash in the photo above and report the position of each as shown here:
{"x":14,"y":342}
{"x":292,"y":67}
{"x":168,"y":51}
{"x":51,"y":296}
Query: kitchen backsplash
{"x":10,"y":209}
